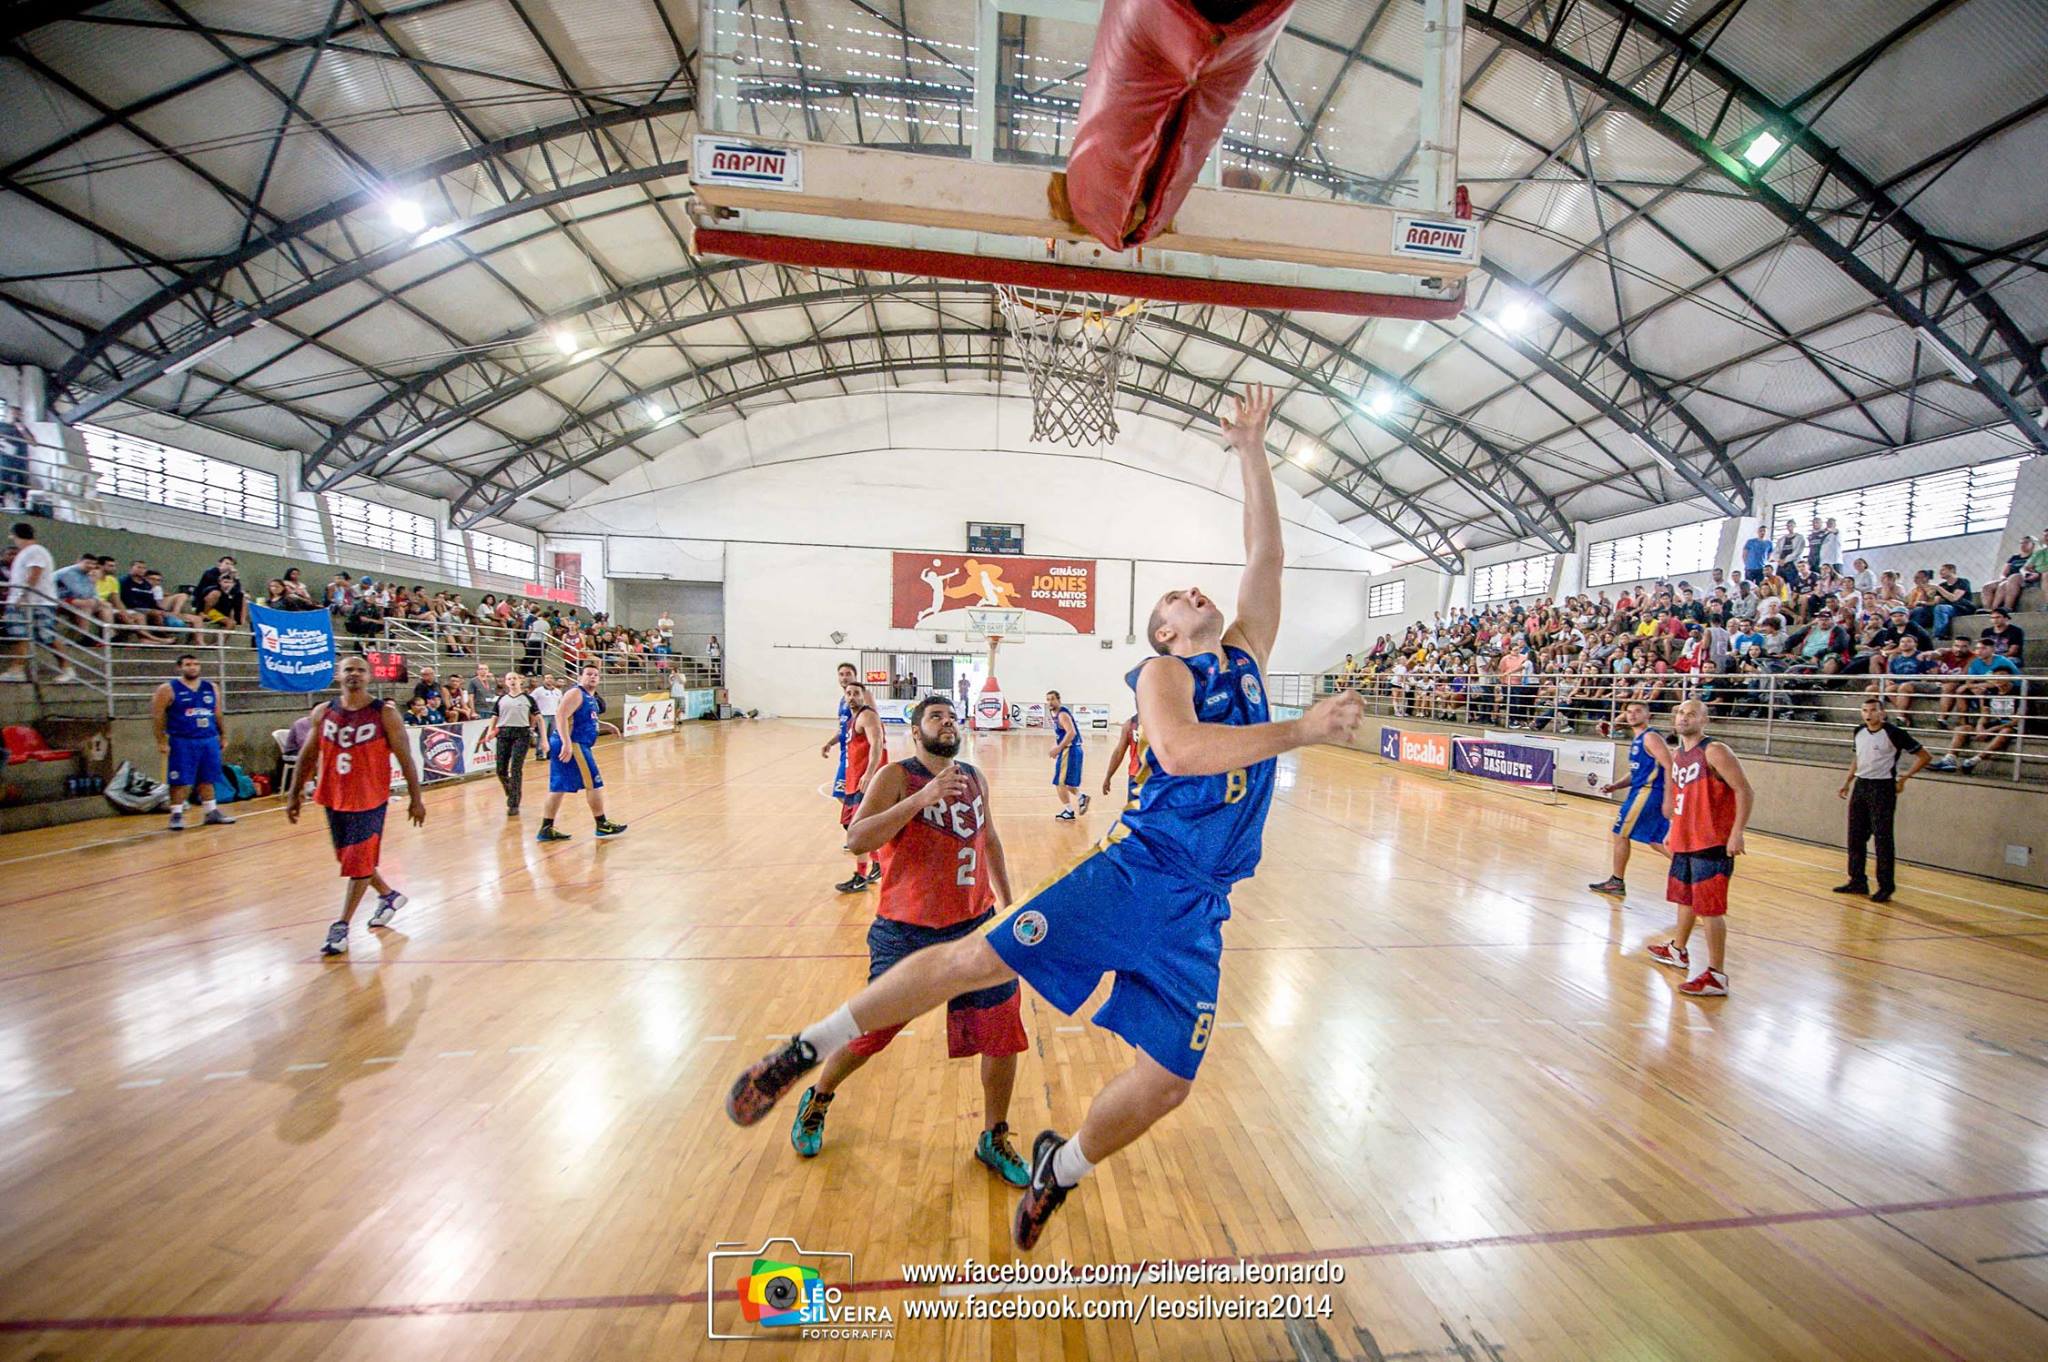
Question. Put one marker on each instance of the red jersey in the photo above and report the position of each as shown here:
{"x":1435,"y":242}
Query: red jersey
{"x":355,"y":758}
{"x":857,"y":758}
{"x":1703,"y":804}
{"x":935,"y":871}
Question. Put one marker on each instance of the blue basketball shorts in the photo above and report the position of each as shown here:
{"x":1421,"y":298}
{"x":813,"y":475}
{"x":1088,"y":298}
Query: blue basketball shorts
{"x":1066,"y":767}
{"x":571,"y":766}
{"x":1642,"y":817}
{"x":1158,"y":932}
{"x":193,"y":761}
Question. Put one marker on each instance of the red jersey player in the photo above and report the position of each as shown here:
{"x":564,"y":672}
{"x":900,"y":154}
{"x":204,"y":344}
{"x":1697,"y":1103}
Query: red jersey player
{"x":944,"y":876}
{"x":867,"y":749}
{"x":1706,"y":799}
{"x":353,"y":740}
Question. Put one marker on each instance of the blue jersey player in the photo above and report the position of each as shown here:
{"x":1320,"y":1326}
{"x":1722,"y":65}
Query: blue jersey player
{"x":1148,"y":903}
{"x":186,"y":713}
{"x":848,"y":675}
{"x":1066,"y":758}
{"x":1642,"y":808}
{"x":572,"y":758}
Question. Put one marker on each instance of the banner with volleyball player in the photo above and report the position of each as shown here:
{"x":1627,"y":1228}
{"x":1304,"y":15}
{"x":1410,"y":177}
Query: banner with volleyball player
{"x":928,"y":587}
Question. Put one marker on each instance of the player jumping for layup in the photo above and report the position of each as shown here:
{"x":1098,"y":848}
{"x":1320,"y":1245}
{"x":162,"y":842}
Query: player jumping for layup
{"x":1642,"y":809}
{"x":350,"y":749}
{"x":1150,"y":901}
{"x":1707,"y":798}
{"x":931,"y":818}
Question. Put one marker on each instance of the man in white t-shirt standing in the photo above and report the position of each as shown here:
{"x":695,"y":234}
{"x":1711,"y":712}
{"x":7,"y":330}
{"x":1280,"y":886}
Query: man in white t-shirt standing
{"x":547,"y":698}
{"x":666,"y":627}
{"x":31,"y":605}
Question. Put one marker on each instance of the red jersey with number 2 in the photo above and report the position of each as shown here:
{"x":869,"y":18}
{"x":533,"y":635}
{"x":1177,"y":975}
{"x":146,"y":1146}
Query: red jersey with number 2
{"x":1703,"y":804}
{"x":355,"y":758}
{"x":935,"y":871}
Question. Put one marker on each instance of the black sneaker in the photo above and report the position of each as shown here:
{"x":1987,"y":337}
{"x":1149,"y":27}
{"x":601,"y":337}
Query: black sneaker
{"x":1852,"y":887}
{"x":875,"y":873}
{"x":1084,"y":804}
{"x":337,"y":940}
{"x":766,"y":1079}
{"x":607,"y":828}
{"x":854,"y":885}
{"x":1881,"y":896}
{"x":550,"y":833}
{"x":1611,"y":885}
{"x":1043,"y":1196}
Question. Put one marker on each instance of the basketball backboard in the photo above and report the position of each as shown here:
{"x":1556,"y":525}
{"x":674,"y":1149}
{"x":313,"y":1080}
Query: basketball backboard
{"x":837,"y":135}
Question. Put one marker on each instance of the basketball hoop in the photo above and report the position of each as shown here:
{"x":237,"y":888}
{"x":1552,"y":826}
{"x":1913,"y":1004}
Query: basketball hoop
{"x":993,"y":626}
{"x":1072,"y":345}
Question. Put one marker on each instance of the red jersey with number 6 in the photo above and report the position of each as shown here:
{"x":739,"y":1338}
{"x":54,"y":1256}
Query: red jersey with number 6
{"x":1702,"y":804}
{"x":355,"y":758}
{"x":935,"y":871}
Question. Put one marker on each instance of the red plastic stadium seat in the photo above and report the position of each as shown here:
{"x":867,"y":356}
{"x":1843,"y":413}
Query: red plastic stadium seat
{"x":25,"y":744}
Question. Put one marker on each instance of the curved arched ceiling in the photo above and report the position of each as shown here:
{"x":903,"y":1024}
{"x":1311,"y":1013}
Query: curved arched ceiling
{"x":199,"y":220}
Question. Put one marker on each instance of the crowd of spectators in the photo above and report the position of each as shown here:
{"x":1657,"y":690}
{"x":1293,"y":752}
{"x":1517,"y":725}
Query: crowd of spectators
{"x":1780,"y":635}
{"x":137,"y":604}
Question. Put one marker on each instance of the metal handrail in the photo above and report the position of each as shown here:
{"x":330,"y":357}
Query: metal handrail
{"x":1812,"y":706}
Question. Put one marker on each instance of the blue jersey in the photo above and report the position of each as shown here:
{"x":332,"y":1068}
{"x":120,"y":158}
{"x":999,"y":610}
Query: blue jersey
{"x":845,"y":727}
{"x":583,"y":728}
{"x":1054,"y":719}
{"x":194,"y":711}
{"x":1643,"y":770}
{"x":1203,"y":827}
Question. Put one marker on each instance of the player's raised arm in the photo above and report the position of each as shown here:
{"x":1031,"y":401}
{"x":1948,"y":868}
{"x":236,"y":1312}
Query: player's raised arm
{"x":1258,"y":595}
{"x":1185,"y":746}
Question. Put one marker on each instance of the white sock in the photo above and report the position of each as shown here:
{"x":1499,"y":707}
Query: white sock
{"x":1069,"y":1164}
{"x":208,"y":806}
{"x":831,"y":1033}
{"x":177,"y":810}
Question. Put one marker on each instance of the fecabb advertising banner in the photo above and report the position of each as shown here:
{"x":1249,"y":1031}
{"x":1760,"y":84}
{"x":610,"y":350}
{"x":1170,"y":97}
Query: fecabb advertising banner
{"x":1507,"y":762}
{"x":294,"y":648}
{"x":931,"y":586}
{"x":1432,"y":750}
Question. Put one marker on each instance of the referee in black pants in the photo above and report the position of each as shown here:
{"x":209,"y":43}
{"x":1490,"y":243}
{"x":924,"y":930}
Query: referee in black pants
{"x":1872,"y":790}
{"x":518,"y":728}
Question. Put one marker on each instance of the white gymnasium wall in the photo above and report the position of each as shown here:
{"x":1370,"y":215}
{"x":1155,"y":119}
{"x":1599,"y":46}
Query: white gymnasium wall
{"x":809,"y":501}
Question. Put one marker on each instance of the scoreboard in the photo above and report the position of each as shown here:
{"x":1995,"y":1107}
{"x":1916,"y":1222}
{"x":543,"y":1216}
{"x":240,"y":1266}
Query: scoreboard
{"x":984,"y":536}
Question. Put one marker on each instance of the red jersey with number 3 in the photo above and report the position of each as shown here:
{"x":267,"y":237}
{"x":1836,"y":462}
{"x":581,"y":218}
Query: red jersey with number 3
{"x":935,"y":871}
{"x":355,"y":758}
{"x":1703,"y":804}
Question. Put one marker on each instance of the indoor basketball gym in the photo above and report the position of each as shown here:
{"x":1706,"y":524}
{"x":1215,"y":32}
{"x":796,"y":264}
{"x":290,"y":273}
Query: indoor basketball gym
{"x":662,"y":433}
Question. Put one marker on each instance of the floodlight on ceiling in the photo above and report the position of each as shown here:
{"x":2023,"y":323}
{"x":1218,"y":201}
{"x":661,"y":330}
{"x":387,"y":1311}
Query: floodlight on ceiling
{"x":655,"y":411}
{"x":565,"y":340}
{"x":1381,"y":403}
{"x":1762,"y":148}
{"x":1515,"y":317}
{"x":406,"y":215}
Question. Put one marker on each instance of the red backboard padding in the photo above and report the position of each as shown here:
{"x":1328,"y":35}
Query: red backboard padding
{"x":1161,"y":87}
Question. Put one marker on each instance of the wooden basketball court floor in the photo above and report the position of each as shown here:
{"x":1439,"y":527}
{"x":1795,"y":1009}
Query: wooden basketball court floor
{"x":494,"y":1131}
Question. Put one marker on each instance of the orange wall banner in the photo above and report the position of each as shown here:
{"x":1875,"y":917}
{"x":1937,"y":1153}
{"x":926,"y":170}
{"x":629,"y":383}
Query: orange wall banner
{"x":1432,"y":750}
{"x":928,"y":585}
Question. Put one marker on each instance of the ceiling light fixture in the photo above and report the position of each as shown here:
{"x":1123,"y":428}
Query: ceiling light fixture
{"x":654,"y":410}
{"x":406,"y":215}
{"x":565,"y":340}
{"x":1762,"y":148}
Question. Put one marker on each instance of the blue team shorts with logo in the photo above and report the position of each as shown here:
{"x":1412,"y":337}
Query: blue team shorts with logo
{"x":572,"y":766}
{"x":1066,"y":767}
{"x":1642,"y":817}
{"x":193,"y":761}
{"x":1159,"y":933}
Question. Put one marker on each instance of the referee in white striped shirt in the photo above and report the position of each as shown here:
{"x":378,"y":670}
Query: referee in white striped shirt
{"x":1872,"y":789}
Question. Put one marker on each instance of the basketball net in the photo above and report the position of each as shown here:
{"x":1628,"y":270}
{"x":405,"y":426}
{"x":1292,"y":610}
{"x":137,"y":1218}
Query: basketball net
{"x":1072,"y":346}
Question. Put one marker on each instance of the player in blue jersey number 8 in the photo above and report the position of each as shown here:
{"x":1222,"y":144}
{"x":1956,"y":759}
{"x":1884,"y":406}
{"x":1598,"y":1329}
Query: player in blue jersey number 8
{"x":1148,"y":904}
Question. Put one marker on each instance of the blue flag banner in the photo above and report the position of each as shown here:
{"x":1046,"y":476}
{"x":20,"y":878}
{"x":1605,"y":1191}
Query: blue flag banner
{"x":294,"y":648}
{"x":1511,"y":763}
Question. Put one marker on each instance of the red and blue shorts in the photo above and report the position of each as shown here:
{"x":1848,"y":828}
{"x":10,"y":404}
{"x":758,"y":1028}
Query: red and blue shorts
{"x":987,"y":1021}
{"x":1699,"y":880}
{"x":358,"y":839}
